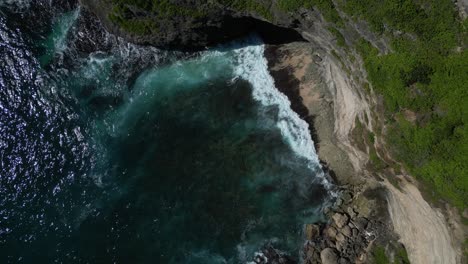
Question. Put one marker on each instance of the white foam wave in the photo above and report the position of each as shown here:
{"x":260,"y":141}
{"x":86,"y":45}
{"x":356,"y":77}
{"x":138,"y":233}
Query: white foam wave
{"x":17,"y":5}
{"x":63,"y":26}
{"x":251,"y":65}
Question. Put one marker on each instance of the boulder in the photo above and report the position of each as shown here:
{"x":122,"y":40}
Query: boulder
{"x":346,"y":231}
{"x":312,"y":231}
{"x":339,"y":202}
{"x":331,"y":232}
{"x":329,"y":256}
{"x":361,"y":223}
{"x":343,"y":261}
{"x":340,"y":237}
{"x":340,"y":219}
{"x":351,"y":212}
{"x":347,"y":196}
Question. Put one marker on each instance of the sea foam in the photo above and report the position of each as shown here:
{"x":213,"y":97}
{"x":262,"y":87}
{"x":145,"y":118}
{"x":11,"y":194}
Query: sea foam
{"x":251,"y":65}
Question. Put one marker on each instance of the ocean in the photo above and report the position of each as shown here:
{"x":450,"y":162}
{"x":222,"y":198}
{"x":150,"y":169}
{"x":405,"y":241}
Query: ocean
{"x":117,"y":153}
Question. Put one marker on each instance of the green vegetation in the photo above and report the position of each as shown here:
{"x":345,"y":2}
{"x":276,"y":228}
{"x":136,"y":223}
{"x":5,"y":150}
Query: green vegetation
{"x":340,"y":40}
{"x":372,"y":137}
{"x":160,"y":8}
{"x":427,"y":75}
{"x":259,"y":7}
{"x":123,"y":15}
{"x":136,"y":26}
{"x":380,"y":257}
{"x":326,"y":7}
{"x":123,"y":11}
{"x":401,"y":256}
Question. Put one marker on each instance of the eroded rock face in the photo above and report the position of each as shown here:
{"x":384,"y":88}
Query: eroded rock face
{"x":194,"y":24}
{"x":312,"y":231}
{"x":329,"y":256}
{"x":340,"y":219}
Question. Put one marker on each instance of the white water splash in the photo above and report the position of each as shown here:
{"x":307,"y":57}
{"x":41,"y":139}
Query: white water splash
{"x":252,"y":66}
{"x":16,"y":5}
{"x":247,"y":61}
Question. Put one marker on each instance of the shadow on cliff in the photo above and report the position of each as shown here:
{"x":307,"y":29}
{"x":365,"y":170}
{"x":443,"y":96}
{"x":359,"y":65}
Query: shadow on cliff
{"x":235,"y":28}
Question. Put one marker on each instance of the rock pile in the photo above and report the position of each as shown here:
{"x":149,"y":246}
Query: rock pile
{"x":343,"y":241}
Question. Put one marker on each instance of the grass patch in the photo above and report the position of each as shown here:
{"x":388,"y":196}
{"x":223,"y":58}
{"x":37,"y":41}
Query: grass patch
{"x":256,"y":6}
{"x":376,"y":162}
{"x":340,"y":40}
{"x":371,"y":137}
{"x":123,"y":15}
{"x":379,"y":256}
{"x":326,"y":7}
{"x":159,"y":10}
{"x":401,"y":256}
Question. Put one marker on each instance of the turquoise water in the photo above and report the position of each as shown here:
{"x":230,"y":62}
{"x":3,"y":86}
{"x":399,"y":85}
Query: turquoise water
{"x":137,"y":155}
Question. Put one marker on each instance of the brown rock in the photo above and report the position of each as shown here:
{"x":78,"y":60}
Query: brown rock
{"x":361,"y":223}
{"x":340,"y":237}
{"x":363,"y":257}
{"x":338,"y":246}
{"x":329,"y":256}
{"x":346,"y":231}
{"x":351,"y":212}
{"x":340,"y":219}
{"x":343,"y":261}
{"x":312,"y":231}
{"x":331,"y":232}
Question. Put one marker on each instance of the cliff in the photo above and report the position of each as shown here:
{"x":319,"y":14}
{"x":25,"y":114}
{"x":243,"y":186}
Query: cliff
{"x":194,"y":24}
{"x":338,"y":80}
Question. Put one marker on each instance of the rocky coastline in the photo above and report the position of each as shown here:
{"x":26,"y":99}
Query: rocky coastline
{"x":325,"y":84}
{"x":359,"y":218}
{"x":366,"y":218}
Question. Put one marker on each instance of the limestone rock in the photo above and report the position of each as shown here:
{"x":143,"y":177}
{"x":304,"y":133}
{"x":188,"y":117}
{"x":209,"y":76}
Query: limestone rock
{"x":340,"y":219}
{"x":331,"y":232}
{"x":343,"y":261}
{"x":312,"y":231}
{"x":361,"y":223}
{"x":329,"y":256}
{"x":346,"y":231}
{"x":351,"y":212}
{"x":340,"y":237}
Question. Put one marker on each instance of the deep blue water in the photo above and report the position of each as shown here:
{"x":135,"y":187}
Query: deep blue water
{"x":115,"y":153}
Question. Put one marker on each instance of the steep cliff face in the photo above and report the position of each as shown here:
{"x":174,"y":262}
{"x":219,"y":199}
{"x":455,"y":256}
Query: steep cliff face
{"x":191,"y":24}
